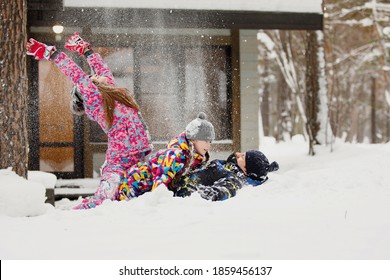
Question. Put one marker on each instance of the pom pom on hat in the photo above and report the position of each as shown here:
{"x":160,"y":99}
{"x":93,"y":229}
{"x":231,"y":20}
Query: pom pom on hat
{"x":202,"y":116}
{"x":274,"y":166}
{"x":200,"y":129}
{"x":257,"y":164}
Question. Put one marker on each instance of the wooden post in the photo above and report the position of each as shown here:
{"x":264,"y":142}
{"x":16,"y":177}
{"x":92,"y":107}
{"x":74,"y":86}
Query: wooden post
{"x":236,"y":112}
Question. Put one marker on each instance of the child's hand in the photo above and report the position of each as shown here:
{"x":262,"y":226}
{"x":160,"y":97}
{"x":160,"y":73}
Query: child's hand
{"x":76,"y":44}
{"x":39,"y":50}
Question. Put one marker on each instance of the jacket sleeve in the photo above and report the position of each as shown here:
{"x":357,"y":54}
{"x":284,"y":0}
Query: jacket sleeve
{"x":91,"y":96}
{"x":226,"y":186}
{"x":169,"y":164}
{"x":222,"y":189}
{"x":213,"y":182}
{"x":100,"y":67}
{"x":185,"y":185}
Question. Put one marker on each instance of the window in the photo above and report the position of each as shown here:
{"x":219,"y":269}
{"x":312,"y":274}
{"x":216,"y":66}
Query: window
{"x":207,"y":88}
{"x":56,"y":129}
{"x":172,"y":85}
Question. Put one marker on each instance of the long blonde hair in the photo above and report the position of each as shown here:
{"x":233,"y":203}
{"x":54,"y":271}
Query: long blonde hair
{"x":111,"y":94}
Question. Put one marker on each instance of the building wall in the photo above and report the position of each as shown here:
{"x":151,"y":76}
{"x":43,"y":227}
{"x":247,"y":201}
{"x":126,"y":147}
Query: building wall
{"x":249,"y":90}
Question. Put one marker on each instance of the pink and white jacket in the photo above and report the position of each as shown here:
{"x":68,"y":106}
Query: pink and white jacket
{"x":128,"y":138}
{"x":128,"y":135}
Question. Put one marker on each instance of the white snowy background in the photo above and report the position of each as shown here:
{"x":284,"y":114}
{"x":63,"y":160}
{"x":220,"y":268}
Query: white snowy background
{"x":333,"y":206}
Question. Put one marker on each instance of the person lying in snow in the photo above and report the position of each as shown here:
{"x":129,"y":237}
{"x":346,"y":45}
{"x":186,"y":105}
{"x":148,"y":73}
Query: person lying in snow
{"x":186,"y":152}
{"x":220,"y":179}
{"x":112,"y":107}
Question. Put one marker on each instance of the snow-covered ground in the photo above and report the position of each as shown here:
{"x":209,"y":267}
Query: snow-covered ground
{"x":333,"y":206}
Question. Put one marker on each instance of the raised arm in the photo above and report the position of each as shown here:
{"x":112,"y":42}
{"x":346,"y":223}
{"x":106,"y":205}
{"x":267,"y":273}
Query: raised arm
{"x":92,"y":99}
{"x":77,"y":44}
{"x":100,"y":67}
{"x":91,"y":96}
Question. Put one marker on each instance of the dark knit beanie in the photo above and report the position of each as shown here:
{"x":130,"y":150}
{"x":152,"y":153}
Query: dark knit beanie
{"x":257,"y":165}
{"x":76,"y":104}
{"x":200,"y":129}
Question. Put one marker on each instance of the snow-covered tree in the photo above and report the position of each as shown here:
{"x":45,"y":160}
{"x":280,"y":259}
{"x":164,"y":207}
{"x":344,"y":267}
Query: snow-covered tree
{"x":357,"y":52}
{"x":354,"y":64}
{"x":277,"y":47}
{"x":13,"y":78}
{"x":299,"y":57}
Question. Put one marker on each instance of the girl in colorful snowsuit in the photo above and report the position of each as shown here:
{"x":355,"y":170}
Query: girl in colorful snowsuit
{"x":111,"y":107}
{"x":183,"y":153}
{"x":221,"y":179}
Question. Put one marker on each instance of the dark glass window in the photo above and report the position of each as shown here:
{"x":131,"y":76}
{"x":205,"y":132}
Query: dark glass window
{"x":172,"y":85}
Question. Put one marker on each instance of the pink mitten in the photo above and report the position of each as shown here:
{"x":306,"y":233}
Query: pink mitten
{"x":76,"y":44}
{"x":39,"y":50}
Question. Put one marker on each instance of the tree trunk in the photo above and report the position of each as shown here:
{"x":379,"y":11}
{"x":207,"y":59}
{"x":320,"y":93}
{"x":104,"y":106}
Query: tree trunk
{"x":373,"y":111}
{"x":312,"y":89}
{"x":284,"y":111}
{"x":14,"y":87}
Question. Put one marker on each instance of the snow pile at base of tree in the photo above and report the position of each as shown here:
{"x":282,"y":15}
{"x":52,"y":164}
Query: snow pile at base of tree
{"x":48,"y":180}
{"x":20,"y":197}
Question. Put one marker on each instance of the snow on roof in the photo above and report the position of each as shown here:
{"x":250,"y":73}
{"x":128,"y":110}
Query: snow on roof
{"x":295,"y":6}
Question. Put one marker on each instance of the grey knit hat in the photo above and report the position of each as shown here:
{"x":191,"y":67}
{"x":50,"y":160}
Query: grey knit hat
{"x":200,"y":129}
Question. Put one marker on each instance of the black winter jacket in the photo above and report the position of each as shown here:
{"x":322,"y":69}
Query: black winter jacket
{"x":216,"y":180}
